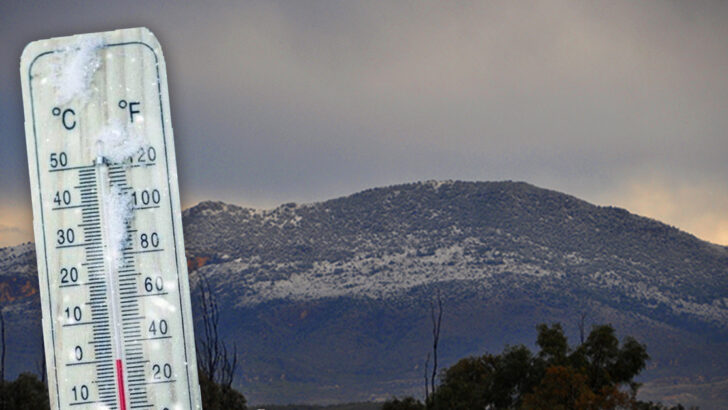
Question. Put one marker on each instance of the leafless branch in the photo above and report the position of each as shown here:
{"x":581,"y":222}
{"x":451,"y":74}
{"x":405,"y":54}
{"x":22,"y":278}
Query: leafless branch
{"x":582,"y":320}
{"x":427,"y":377}
{"x":436,"y":316}
{"x":214,"y":359}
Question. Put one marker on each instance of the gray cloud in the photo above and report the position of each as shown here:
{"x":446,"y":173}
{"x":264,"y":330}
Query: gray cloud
{"x":308,"y":100}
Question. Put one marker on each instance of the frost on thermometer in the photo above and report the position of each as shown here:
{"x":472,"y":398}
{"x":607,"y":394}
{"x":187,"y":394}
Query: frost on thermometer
{"x":117,"y":322}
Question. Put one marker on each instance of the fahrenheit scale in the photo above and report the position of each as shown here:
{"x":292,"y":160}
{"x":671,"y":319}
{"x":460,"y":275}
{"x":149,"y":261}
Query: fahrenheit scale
{"x":113,"y":277}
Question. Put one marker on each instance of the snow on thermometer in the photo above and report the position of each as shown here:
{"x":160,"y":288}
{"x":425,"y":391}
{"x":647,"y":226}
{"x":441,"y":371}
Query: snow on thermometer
{"x":113,"y":277}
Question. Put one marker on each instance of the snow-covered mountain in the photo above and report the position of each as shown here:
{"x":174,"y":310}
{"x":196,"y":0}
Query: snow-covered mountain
{"x":330,"y":301}
{"x":383,"y":242}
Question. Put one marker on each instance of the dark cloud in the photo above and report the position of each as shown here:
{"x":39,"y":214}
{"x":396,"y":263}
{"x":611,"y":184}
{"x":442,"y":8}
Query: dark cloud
{"x":301,"y":101}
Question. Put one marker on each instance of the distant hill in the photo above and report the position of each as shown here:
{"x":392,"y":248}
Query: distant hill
{"x":329,"y":302}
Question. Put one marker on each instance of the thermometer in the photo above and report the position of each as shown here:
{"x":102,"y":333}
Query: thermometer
{"x":114,"y":290}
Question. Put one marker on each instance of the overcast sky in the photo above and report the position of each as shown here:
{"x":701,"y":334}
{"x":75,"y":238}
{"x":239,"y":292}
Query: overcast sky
{"x":618,"y":103}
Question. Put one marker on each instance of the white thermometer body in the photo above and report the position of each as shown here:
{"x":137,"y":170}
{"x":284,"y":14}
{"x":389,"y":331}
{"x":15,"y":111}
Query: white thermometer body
{"x":107,"y":221}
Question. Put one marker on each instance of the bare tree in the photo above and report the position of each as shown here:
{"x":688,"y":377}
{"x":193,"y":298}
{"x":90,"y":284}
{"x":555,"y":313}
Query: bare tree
{"x":582,"y":331}
{"x":214,"y":359}
{"x":427,"y":377}
{"x":40,"y":365}
{"x":436,"y":317}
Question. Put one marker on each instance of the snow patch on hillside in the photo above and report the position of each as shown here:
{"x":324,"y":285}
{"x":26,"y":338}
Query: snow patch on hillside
{"x":385,"y":275}
{"x":434,"y":184}
{"x":365,"y":275}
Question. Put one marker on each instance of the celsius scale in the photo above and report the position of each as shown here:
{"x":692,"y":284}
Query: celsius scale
{"x":117,"y":322}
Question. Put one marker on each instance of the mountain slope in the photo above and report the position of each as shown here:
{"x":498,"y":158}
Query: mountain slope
{"x":473,"y":231}
{"x":330,"y":301}
{"x":342,"y":288}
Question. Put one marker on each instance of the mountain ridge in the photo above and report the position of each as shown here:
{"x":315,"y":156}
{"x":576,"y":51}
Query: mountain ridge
{"x":221,"y":204}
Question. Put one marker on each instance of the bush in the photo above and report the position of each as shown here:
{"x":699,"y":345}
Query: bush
{"x":26,"y":392}
{"x":407,"y":403}
{"x":219,"y":397}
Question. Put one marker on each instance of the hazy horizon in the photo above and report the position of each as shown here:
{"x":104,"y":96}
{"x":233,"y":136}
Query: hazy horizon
{"x":616,"y":103}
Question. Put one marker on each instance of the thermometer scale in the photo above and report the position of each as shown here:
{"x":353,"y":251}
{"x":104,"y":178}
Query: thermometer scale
{"x":114,"y":290}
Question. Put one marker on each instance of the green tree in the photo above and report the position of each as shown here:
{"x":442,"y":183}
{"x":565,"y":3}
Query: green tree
{"x":515,"y":375}
{"x":593,"y":375}
{"x":467,"y":384}
{"x":216,"y":396}
{"x":407,"y":403}
{"x":26,"y":392}
{"x":499,"y":381}
{"x":553,"y":344}
{"x":608,"y":364}
{"x":561,"y":388}
{"x":565,"y":388}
